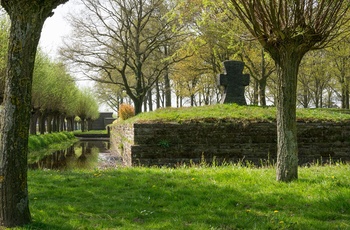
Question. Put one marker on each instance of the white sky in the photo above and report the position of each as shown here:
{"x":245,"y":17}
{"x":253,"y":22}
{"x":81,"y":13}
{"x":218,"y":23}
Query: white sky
{"x":56,"y":28}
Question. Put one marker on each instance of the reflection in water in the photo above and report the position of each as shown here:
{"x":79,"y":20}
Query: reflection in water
{"x":81,"y":155}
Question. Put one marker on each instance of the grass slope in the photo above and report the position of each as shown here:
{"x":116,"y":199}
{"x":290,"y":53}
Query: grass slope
{"x":233,"y":111}
{"x":229,"y":197}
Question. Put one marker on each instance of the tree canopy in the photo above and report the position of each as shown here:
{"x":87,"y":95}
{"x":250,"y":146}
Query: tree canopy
{"x":124,"y":42}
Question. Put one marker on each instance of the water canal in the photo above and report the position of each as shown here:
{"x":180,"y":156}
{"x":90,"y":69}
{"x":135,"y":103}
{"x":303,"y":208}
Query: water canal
{"x":87,"y":153}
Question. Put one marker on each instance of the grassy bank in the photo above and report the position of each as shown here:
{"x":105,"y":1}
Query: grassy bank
{"x":40,"y":145}
{"x":233,"y":111}
{"x":229,"y":197}
{"x":92,"y":132}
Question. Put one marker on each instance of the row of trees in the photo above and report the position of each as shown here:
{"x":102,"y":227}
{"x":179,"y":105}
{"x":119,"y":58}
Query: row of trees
{"x":149,"y":51}
{"x":57,"y":103}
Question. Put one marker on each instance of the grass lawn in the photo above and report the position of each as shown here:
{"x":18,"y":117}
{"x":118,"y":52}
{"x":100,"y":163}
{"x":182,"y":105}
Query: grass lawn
{"x":228,"y":197}
{"x":235,"y":112}
{"x":78,"y":132}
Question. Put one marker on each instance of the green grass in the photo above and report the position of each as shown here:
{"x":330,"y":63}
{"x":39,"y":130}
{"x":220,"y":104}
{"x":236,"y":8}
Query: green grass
{"x":77,"y":132}
{"x":229,"y":197}
{"x":233,"y":111}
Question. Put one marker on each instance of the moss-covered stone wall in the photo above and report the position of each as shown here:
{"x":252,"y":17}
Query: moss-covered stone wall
{"x":174,"y":144}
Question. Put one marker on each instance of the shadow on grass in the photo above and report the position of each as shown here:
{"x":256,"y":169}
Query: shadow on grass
{"x":39,"y":226}
{"x":180,"y":199}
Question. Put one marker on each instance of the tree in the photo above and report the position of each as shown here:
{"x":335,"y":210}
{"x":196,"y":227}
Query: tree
{"x":53,"y":96}
{"x":212,"y":42}
{"x":86,"y":107}
{"x":27,"y":19}
{"x":123,"y":42}
{"x":287,"y":30}
{"x":341,"y":57}
{"x":260,"y":68}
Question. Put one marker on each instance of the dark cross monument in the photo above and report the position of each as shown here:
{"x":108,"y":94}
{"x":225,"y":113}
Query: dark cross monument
{"x":233,"y":83}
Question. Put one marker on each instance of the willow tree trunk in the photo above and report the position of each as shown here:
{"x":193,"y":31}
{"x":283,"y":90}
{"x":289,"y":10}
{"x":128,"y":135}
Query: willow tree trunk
{"x":27,"y":18}
{"x":287,"y":152}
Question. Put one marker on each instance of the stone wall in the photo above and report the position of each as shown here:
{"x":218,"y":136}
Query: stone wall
{"x":174,"y":144}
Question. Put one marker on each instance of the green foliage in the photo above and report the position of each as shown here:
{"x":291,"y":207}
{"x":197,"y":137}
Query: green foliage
{"x":54,"y":91}
{"x":217,"y":112}
{"x":230,"y":197}
{"x":86,"y":106}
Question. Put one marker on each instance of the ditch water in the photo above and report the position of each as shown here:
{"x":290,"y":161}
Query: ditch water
{"x":84,"y":154}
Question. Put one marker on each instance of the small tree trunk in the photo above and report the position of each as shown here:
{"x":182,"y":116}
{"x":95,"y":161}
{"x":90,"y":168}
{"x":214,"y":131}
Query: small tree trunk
{"x":33,"y":121}
{"x":83,"y":122}
{"x":42,"y":123}
{"x":287,"y":151}
{"x":138,"y":105}
{"x":262,"y":91}
{"x":255,"y":92}
{"x":167,"y":90}
{"x":55,"y":123}
{"x":305,"y":97}
{"x":157,"y":94}
{"x":150,"y":101}
{"x":49,"y":123}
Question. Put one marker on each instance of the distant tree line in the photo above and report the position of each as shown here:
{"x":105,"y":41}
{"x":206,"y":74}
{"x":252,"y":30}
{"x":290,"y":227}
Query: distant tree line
{"x":57,"y":103}
{"x":159,"y":52}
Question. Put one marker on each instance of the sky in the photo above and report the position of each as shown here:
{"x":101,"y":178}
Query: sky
{"x":56,"y":28}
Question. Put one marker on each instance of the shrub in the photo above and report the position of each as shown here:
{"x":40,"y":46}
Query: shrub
{"x":126,"y":111}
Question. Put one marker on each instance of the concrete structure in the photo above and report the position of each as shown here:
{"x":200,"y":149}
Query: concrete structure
{"x":104,"y":119}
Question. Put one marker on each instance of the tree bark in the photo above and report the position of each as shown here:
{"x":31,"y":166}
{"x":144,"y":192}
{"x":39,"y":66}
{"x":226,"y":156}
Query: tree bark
{"x":83,"y":124}
{"x":262,"y":91}
{"x":167,"y":90}
{"x":34,"y":120}
{"x":42,"y":122}
{"x":287,"y":153}
{"x":256,"y":92}
{"x":49,"y":119}
{"x":15,"y":116}
{"x":150,"y":101}
{"x":138,"y":105}
{"x":157,"y":94}
{"x":27,"y":19}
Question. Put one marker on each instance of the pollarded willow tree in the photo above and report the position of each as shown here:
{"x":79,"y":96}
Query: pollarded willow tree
{"x":27,"y":19}
{"x":287,"y":30}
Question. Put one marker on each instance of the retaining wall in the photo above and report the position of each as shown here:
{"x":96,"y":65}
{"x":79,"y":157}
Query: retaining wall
{"x":174,"y":144}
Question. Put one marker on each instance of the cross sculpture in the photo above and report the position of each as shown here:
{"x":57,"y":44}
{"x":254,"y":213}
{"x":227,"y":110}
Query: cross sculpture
{"x":233,"y":83}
